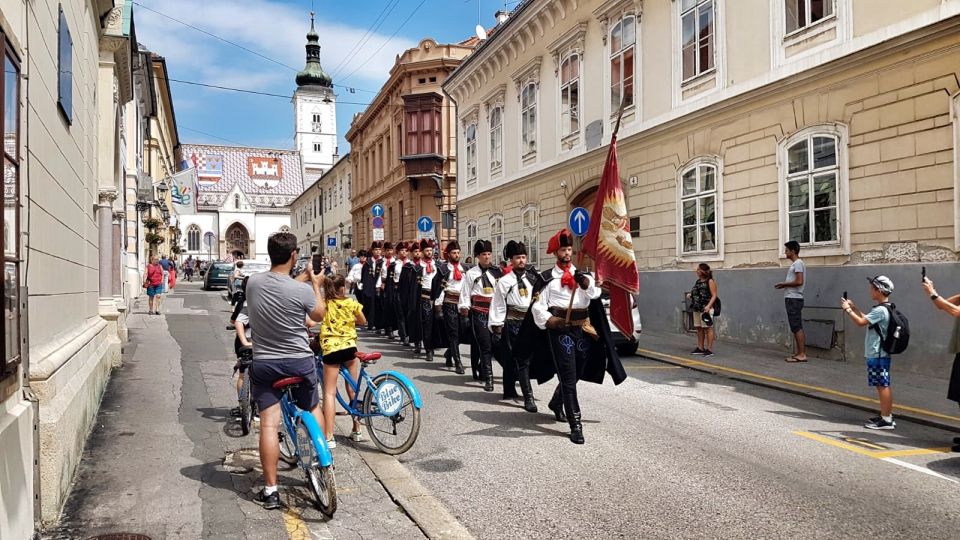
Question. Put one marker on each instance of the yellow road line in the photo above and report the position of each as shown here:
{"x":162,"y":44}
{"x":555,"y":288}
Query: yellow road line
{"x":296,"y":527}
{"x":834,"y":442}
{"x":689,"y":362}
{"x":912,"y":452}
{"x":656,"y":367}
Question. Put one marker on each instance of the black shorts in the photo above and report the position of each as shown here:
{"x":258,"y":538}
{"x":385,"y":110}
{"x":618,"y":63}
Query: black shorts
{"x":340,"y":357}
{"x":263,"y":373}
{"x":794,"y":313}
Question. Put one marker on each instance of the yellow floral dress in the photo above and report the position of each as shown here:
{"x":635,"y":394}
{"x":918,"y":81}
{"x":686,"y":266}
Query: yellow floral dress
{"x":338,"y":331}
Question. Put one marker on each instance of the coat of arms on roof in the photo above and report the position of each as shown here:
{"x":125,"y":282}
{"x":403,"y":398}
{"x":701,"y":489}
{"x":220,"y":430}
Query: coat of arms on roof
{"x":209,"y":167}
{"x":265,"y":171}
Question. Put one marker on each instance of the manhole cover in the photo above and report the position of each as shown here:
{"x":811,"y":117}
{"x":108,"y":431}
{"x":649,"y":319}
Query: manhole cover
{"x":120,"y":536}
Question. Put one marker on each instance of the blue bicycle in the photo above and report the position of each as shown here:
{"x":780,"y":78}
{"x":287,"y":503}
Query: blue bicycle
{"x":303,"y":444}
{"x":390,"y":407}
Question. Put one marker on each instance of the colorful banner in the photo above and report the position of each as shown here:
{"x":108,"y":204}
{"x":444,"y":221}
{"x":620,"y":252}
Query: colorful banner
{"x":183,"y":192}
{"x":209,"y":167}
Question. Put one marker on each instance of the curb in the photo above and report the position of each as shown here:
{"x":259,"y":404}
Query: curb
{"x":917,"y":416}
{"x":424,"y":509}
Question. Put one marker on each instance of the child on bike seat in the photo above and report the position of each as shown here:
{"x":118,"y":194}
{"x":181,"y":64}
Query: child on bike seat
{"x":338,"y":342}
{"x":241,"y":324}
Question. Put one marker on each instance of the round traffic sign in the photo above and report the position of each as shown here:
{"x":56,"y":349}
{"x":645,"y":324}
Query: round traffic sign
{"x":378,"y":222}
{"x":579,"y":221}
{"x":424,"y":224}
{"x":377,"y":210}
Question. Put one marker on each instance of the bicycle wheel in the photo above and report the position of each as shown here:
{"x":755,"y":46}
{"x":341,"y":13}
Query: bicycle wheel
{"x":320,"y":479}
{"x":246,"y":411}
{"x":288,"y":448}
{"x":395,"y":428}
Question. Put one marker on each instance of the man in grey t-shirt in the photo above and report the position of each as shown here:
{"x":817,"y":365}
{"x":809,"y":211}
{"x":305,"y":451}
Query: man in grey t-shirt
{"x":278,"y":307}
{"x":793,"y":298}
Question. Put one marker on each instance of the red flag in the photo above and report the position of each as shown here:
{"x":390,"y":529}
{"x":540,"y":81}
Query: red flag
{"x":609,"y":243}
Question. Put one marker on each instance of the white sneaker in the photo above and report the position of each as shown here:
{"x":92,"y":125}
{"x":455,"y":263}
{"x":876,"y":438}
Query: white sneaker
{"x":356,"y":436}
{"x":331,"y":443}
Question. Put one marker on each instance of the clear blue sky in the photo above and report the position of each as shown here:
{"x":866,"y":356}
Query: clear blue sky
{"x":277,"y":29}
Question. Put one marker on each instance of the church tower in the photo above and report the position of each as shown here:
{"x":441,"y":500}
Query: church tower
{"x":315,"y":113}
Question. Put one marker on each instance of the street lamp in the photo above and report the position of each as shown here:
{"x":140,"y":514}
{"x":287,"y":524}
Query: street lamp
{"x":438,"y":199}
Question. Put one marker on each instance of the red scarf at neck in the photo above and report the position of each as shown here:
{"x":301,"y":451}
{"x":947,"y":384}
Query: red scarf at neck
{"x":429,"y":263}
{"x":457,"y":274}
{"x":567,"y":279}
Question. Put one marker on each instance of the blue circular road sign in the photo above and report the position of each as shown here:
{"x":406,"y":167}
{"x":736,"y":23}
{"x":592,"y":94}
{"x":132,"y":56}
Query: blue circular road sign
{"x":579,"y":221}
{"x":378,"y":222}
{"x":377,"y":210}
{"x":424,"y":224}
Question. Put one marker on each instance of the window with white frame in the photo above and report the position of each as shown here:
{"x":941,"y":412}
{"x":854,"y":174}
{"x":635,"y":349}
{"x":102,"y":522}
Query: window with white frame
{"x":530,"y":232}
{"x":698,"y":208}
{"x":528,"y":119}
{"x":316,"y":125}
{"x":471,"y":236}
{"x":698,"y":37}
{"x":803,"y":13}
{"x":623,"y":42}
{"x":496,"y":138}
{"x":496,"y":236}
{"x":193,"y":238}
{"x":812,"y":188}
{"x":570,"y":94}
{"x":470,"y":153}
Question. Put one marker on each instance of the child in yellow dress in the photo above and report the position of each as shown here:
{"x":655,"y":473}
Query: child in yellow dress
{"x":338,"y":341}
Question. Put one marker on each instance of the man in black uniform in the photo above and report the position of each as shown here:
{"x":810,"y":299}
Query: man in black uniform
{"x":447,"y":287}
{"x":428,"y":271}
{"x":409,"y":295}
{"x":566,"y":333}
{"x":475,"y":300}
{"x":370,"y":278}
{"x":511,"y":301}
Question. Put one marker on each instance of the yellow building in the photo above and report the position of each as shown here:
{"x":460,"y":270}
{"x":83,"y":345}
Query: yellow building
{"x":746,"y":124}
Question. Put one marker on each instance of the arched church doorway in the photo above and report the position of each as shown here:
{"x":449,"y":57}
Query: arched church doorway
{"x":238,"y":241}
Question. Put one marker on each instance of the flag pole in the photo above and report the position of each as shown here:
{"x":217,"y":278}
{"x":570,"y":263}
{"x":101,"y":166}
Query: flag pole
{"x":613,"y":136}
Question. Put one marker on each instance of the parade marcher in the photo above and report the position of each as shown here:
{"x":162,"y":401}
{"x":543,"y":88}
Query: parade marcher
{"x":408,"y":294}
{"x":399,"y":321}
{"x":368,"y":284}
{"x":475,"y":298}
{"x":448,"y":286}
{"x":511,"y":301}
{"x":567,"y":333}
{"x":426,"y":300}
{"x":386,"y":317}
{"x":354,"y":273}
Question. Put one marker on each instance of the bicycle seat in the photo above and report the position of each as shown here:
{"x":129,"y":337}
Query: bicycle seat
{"x":285,"y":382}
{"x":368,"y":358}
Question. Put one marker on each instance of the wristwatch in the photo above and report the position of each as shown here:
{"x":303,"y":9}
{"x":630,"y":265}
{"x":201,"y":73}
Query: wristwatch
{"x":934,"y":296}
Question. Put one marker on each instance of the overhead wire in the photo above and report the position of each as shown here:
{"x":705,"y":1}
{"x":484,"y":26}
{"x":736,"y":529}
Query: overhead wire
{"x":382,"y":45}
{"x":381,"y":18}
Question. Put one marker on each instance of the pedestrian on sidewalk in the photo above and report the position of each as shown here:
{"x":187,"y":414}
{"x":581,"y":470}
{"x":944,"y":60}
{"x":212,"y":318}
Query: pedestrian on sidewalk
{"x":878,"y":360}
{"x":278,"y":306}
{"x":338,"y":341}
{"x":793,"y":299}
{"x":153,"y":283}
{"x":952,"y":307}
{"x":702,"y":297}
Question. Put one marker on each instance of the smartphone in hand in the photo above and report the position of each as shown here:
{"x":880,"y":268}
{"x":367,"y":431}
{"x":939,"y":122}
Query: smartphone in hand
{"x":923,"y":274}
{"x":317,"y":263}
{"x":845,"y":295}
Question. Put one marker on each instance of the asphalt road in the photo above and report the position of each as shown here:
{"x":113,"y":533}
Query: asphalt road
{"x":670,"y":453}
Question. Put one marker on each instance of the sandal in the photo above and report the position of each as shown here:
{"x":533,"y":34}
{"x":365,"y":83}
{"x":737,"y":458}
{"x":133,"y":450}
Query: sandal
{"x":795,"y":360}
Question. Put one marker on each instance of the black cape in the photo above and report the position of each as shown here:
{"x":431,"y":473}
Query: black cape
{"x":387,"y":318}
{"x":368,"y":278}
{"x":602,"y":356}
{"x":409,"y":295}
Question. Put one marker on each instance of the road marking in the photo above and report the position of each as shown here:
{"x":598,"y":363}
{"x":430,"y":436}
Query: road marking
{"x":296,"y":527}
{"x":888,"y":456}
{"x":690,"y":362}
{"x":656,"y":367}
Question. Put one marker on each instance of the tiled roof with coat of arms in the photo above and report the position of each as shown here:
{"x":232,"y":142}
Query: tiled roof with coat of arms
{"x":268,"y":177}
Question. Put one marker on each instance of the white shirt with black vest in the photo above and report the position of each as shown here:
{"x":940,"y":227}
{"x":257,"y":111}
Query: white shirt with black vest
{"x":509,"y":296}
{"x":477,"y":282}
{"x":555,"y":295}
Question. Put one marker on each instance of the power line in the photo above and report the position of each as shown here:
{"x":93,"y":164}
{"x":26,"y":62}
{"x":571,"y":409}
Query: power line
{"x":245,"y":91}
{"x":382,"y":45}
{"x":251,"y":51}
{"x":391,"y":4}
{"x":181,"y":126}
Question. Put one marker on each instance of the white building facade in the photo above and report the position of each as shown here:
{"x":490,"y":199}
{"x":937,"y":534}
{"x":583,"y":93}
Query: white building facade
{"x":320,"y":217}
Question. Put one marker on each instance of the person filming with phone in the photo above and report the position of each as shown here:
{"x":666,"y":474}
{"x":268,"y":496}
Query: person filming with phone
{"x":277,"y":306}
{"x":950,"y":305}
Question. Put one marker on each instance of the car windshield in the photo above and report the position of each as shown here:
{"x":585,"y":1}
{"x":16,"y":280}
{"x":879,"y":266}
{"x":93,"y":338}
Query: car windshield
{"x":223,"y":266}
{"x":254,"y":267}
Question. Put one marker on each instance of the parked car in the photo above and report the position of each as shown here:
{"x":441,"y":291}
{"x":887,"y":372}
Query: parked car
{"x":625,"y":347}
{"x":250,"y":267}
{"x":217,"y":275}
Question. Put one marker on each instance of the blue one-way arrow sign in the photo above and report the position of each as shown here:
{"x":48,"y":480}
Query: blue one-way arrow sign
{"x":377,"y":210}
{"x":579,"y":221}
{"x":424,"y":224}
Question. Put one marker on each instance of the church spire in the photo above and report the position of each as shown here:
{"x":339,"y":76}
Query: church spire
{"x":313,"y":74}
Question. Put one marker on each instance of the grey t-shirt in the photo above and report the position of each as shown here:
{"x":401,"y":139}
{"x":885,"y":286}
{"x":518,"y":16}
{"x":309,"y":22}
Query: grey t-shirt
{"x":796,"y":268}
{"x":278,"y":305}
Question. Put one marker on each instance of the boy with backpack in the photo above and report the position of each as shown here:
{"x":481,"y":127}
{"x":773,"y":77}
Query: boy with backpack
{"x":887,"y":334}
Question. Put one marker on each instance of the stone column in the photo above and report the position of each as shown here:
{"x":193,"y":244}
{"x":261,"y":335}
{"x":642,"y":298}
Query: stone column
{"x":106,"y":196}
{"x":117,"y":272}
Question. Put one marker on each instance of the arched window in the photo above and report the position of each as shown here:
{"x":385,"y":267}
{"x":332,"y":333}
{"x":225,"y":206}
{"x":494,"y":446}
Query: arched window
{"x":470,"y":154}
{"x":528,"y":119}
{"x":236,"y":201}
{"x":193,"y":238}
{"x":530,"y":232}
{"x":623,"y":41}
{"x":570,"y":94}
{"x":496,"y":139}
{"x":496,"y":236}
{"x":699,"y":213}
{"x":813,"y":181}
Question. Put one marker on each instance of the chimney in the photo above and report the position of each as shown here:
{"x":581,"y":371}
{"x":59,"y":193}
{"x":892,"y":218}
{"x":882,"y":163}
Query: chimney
{"x":501,"y":16}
